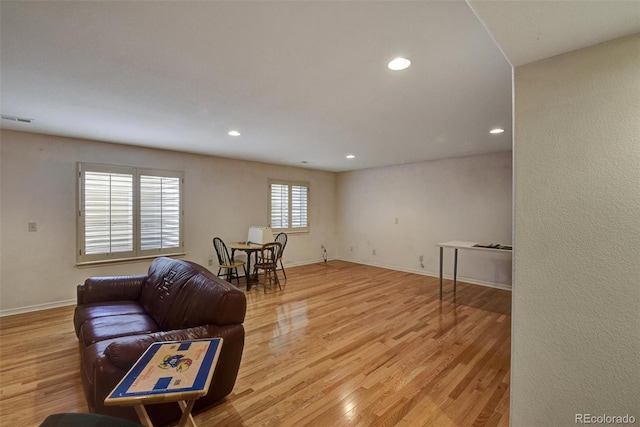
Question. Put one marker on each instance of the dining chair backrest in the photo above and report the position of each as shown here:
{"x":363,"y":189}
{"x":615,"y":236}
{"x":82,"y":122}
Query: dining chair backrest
{"x":282,"y":239}
{"x":269,"y":253}
{"x":221,"y":251}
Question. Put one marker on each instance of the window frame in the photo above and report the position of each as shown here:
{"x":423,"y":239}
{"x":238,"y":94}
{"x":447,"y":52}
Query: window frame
{"x":137,"y":252}
{"x":290,"y":185}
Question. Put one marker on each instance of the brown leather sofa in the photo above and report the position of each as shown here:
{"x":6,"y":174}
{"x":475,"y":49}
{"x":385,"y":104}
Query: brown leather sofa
{"x":117,"y":318}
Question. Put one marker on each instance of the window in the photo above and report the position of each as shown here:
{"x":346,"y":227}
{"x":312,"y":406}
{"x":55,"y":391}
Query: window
{"x":128,"y":213}
{"x":288,"y":206}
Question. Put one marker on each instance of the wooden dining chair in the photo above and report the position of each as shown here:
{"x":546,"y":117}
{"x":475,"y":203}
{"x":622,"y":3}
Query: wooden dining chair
{"x":282,"y":239}
{"x":228,"y":266}
{"x":268,"y":261}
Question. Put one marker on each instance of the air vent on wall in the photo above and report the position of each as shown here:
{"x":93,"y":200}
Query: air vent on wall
{"x":17,"y":119}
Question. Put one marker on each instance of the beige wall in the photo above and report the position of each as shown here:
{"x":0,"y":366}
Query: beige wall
{"x":576,"y":306}
{"x":222,"y":198}
{"x":465,"y":198}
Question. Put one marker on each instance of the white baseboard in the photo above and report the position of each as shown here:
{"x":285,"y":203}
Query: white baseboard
{"x":506,"y":287}
{"x":301,"y":263}
{"x":37,"y":307}
{"x":308,"y":262}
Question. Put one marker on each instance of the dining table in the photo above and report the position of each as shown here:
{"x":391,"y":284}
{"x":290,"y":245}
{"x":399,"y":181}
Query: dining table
{"x":248,"y":248}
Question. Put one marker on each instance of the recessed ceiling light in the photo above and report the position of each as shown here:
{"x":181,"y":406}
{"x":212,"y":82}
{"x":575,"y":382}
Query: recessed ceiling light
{"x":496,"y":130}
{"x":350,"y":156}
{"x":399,"y":64}
{"x":234,"y":133}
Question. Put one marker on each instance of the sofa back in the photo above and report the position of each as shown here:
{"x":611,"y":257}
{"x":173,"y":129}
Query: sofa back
{"x":180,"y":294}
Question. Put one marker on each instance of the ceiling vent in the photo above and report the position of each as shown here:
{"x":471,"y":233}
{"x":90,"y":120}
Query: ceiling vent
{"x":17,"y":119}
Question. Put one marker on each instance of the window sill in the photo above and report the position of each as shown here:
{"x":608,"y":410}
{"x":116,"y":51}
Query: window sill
{"x":284,"y":230}
{"x":129,"y":260}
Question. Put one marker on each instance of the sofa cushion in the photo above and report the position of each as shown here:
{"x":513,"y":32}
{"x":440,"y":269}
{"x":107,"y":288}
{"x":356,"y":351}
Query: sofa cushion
{"x":165,"y":279}
{"x":167,"y":296}
{"x":102,"y":309}
{"x":104,"y":328}
{"x":115,"y":288}
{"x":222,"y":304}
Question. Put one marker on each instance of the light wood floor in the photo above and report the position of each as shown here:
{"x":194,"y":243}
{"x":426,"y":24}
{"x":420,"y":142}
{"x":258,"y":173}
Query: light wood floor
{"x":341,"y":345}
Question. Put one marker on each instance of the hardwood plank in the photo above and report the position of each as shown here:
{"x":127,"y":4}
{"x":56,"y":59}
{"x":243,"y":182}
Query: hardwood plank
{"x":341,"y":344}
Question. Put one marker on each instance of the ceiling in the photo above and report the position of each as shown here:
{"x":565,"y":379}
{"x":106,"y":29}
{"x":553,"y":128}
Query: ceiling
{"x":528,"y":31}
{"x":306,"y":83}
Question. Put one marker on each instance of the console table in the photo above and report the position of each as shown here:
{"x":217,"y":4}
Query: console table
{"x":167,"y":372}
{"x":457,"y":244}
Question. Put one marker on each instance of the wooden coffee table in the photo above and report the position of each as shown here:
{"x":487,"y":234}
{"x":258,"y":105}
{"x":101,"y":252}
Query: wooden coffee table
{"x":171,"y":371}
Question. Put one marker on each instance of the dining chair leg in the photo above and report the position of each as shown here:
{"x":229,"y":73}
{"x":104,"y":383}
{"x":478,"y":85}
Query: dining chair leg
{"x":282,"y":268}
{"x":275,"y":273}
{"x":267,"y":278}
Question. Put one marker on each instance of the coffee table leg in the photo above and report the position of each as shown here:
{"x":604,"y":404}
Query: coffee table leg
{"x":142,"y":414}
{"x":186,"y":419}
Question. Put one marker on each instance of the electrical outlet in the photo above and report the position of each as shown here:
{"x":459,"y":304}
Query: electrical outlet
{"x":395,"y":220}
{"x":351,"y":249}
{"x":210,"y":262}
{"x":33,"y":226}
{"x":421,"y":258}
{"x":374,"y":251}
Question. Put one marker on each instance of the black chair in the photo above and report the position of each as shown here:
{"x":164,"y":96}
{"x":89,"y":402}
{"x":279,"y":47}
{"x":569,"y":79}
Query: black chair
{"x":268,"y":261}
{"x":225,"y":262}
{"x":86,"y":420}
{"x":282,"y":239}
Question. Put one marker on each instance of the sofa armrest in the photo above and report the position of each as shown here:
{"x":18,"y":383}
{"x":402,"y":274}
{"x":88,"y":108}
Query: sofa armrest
{"x":117,"y":288}
{"x":124,"y":353}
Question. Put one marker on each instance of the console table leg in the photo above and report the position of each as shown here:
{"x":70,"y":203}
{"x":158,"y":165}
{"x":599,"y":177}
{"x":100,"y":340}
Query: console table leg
{"x":455,"y":270}
{"x":441,"y":249}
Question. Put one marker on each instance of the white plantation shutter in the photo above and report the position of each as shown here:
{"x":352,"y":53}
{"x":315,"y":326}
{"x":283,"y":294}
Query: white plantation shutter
{"x":160,"y":212}
{"x":298,"y":206}
{"x":288,"y":207}
{"x":279,"y":206}
{"x":108,"y":213}
{"x":128,"y":213}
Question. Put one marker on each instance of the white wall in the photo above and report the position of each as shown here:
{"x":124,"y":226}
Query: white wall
{"x":576,"y":301}
{"x":455,"y":199}
{"x":222,"y":198}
